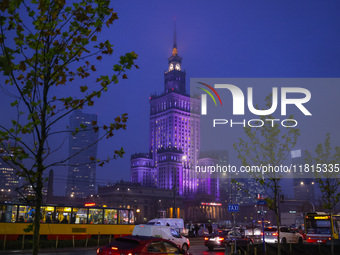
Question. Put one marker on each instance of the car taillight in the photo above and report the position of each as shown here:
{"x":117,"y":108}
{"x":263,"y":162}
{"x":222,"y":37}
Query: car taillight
{"x":275,"y":234}
{"x":114,"y":248}
{"x":206,"y":238}
{"x":99,"y":250}
{"x":220,"y":238}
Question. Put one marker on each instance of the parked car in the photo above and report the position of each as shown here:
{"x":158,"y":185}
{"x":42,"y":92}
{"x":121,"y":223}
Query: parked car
{"x":140,"y":245}
{"x":164,"y":232}
{"x":215,"y":240}
{"x":241,"y":239}
{"x":287,"y":235}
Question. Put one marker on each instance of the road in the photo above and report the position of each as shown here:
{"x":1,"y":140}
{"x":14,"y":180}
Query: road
{"x":196,"y":248}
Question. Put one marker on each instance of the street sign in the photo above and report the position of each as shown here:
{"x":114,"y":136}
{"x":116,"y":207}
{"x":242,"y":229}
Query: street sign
{"x":261,"y":202}
{"x":233,"y":208}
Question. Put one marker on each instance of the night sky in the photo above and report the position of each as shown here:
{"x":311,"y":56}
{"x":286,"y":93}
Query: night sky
{"x":217,"y":39}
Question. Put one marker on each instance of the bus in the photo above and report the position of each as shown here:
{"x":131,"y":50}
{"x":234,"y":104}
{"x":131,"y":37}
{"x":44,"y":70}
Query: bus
{"x":64,"y":222}
{"x":320,"y":227}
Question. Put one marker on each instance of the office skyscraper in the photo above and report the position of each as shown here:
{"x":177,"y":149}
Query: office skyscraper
{"x":9,"y":180}
{"x":82,"y":145}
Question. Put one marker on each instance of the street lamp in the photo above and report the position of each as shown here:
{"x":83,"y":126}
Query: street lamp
{"x":137,"y":217}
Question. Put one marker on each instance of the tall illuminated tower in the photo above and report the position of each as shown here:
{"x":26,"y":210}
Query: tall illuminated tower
{"x":174,"y":135}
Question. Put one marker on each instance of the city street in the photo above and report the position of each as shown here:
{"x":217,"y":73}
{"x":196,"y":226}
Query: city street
{"x":197,"y":248}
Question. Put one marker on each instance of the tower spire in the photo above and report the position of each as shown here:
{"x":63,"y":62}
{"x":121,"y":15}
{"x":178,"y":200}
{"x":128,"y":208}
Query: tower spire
{"x":174,"y":48}
{"x":175,"y":36}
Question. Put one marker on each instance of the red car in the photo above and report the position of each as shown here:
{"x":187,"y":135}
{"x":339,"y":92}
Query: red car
{"x":135,"y":245}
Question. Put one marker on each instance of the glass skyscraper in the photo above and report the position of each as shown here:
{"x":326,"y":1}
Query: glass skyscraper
{"x":82,"y":145}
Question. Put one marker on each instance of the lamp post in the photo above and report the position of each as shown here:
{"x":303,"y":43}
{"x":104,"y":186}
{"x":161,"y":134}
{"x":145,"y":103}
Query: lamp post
{"x":138,"y":211}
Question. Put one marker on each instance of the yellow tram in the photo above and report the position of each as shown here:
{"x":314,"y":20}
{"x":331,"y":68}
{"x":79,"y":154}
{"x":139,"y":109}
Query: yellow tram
{"x":65,"y":222}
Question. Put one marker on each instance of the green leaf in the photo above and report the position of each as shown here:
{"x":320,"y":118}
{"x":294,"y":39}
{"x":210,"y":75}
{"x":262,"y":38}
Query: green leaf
{"x":14,"y":103}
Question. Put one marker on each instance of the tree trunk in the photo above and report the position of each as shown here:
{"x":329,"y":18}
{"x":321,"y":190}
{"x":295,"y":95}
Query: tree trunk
{"x":40,"y":168}
{"x":37,"y":218}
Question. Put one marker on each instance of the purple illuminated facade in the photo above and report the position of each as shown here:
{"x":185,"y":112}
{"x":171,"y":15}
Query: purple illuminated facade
{"x":174,"y":137}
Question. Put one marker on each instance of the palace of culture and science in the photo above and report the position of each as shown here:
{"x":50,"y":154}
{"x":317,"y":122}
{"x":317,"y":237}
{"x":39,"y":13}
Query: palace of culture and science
{"x":174,"y":138}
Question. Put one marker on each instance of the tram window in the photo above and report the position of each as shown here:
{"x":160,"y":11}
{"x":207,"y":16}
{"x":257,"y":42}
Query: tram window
{"x":47,"y":213}
{"x":96,"y":216}
{"x":6,"y":213}
{"x":62,"y":215}
{"x":79,"y":216}
{"x":2,"y":213}
{"x":132,"y":218}
{"x":110,"y":216}
{"x":123,"y":217}
{"x":26,"y":213}
{"x":336,"y":222}
{"x":14,"y":213}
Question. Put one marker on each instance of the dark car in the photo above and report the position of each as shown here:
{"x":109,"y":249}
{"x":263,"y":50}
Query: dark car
{"x":215,"y":240}
{"x":129,"y":245}
{"x":241,"y":240}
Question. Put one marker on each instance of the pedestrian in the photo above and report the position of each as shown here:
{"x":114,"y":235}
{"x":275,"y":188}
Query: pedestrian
{"x":210,"y":229}
{"x":196,"y":230}
{"x":241,"y":230}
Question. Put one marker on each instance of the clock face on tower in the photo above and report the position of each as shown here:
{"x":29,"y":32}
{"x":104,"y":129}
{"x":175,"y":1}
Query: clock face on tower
{"x":178,"y":67}
{"x":171,"y":67}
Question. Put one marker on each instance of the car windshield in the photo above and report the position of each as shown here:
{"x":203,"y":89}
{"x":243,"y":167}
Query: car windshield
{"x":124,"y":244}
{"x":174,"y":233}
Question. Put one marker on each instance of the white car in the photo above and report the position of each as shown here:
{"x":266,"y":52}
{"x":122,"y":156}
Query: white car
{"x":287,"y":235}
{"x":176,"y":223}
{"x":164,"y":232}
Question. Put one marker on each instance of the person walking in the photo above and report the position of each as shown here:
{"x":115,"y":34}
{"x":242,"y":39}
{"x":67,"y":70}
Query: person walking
{"x":196,"y":230}
{"x":210,"y":229}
